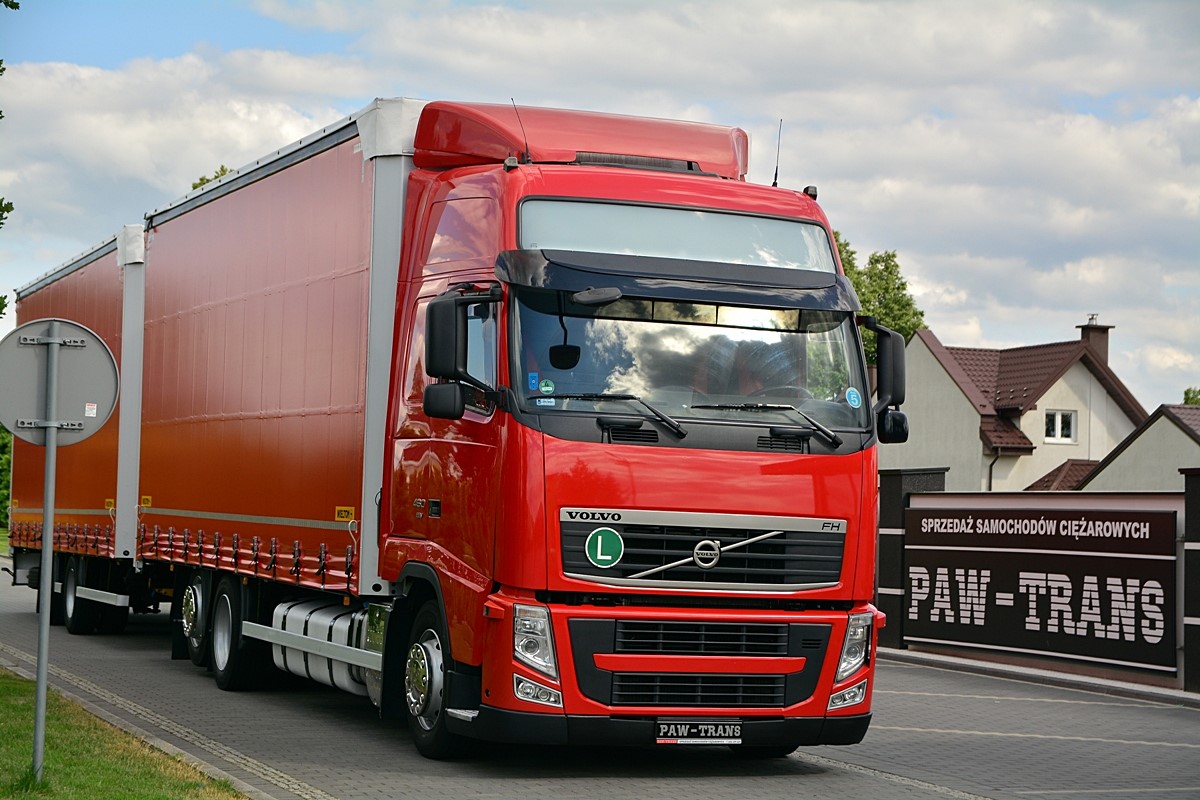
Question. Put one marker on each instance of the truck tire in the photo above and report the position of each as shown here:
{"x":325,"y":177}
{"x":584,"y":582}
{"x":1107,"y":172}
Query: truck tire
{"x":237,"y":662}
{"x":57,"y":612}
{"x":425,"y":683}
{"x":113,"y":619}
{"x":195,"y":619}
{"x":79,"y":615}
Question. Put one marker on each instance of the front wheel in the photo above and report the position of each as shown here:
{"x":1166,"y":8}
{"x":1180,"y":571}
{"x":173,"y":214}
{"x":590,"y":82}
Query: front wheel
{"x":425,"y":671}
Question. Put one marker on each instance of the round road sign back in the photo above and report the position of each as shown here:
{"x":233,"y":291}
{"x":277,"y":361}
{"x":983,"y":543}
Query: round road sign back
{"x":87,"y":381}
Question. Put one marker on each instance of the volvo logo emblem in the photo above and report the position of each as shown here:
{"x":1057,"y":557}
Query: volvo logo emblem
{"x":707,"y":553}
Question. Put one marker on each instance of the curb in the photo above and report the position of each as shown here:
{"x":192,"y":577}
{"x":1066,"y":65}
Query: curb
{"x":1062,"y":680}
{"x":150,"y":739}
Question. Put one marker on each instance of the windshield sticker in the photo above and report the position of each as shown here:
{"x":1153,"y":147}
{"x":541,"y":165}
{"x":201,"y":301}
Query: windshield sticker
{"x":853,"y":397}
{"x":547,"y":401}
{"x":604,"y":547}
{"x":546,"y":386}
{"x":532,"y":381}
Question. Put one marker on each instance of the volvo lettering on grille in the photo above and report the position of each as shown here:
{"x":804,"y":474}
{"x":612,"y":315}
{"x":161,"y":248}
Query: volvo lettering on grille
{"x":703,"y":550}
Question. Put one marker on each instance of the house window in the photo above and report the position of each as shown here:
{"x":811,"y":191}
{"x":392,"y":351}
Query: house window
{"x":1060,"y":426}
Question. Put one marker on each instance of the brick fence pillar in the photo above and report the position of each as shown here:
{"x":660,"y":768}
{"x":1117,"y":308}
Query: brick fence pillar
{"x":895,"y":485}
{"x":1191,"y":579}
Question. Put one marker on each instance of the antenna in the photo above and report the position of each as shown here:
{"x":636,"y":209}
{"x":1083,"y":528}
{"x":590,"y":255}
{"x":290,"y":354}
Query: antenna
{"x":528,"y":159}
{"x":778,"y":140}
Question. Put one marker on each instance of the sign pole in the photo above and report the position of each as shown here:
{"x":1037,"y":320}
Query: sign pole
{"x":46,"y":577}
{"x":31,"y":360}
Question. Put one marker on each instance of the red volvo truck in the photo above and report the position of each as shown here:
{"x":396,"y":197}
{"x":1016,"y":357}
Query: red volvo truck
{"x":527,"y":424}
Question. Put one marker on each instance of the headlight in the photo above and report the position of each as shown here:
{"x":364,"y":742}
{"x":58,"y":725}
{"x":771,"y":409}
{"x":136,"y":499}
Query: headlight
{"x":849,"y":697}
{"x":536,"y":693}
{"x":533,"y":642}
{"x":857,"y":646}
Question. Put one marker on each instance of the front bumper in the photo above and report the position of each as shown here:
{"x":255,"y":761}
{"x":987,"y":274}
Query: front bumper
{"x":519,"y":727}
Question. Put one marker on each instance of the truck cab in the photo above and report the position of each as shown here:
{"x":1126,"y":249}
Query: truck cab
{"x":633,"y":440}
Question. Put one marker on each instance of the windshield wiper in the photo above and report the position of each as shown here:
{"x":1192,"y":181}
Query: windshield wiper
{"x":671,"y":424}
{"x":829,"y":435}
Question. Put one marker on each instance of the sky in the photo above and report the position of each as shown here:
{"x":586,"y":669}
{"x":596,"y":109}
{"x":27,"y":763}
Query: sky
{"x":1030,"y":163}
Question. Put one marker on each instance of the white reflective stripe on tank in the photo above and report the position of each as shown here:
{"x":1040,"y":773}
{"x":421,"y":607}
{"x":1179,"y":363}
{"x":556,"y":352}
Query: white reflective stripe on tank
{"x":318,"y":647}
{"x":108,"y":598}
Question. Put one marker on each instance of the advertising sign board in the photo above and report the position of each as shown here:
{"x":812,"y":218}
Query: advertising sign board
{"x":1086,"y":585}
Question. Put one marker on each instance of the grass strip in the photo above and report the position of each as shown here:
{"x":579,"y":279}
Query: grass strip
{"x":85,"y":757}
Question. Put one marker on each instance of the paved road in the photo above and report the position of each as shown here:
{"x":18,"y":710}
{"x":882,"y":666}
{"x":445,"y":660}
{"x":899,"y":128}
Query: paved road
{"x":937,"y":733}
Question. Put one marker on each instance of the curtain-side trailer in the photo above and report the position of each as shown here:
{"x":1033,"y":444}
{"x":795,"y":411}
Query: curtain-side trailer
{"x":528,"y":424}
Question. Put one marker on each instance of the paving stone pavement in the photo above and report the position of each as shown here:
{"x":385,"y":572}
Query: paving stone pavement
{"x":939,"y":731}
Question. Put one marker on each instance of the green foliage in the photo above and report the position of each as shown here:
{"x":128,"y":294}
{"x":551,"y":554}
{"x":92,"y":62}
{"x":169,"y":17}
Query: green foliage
{"x":1191,"y":396}
{"x":5,"y":206}
{"x":883,"y":292}
{"x":5,"y":475}
{"x":221,"y":172}
{"x":85,"y":757}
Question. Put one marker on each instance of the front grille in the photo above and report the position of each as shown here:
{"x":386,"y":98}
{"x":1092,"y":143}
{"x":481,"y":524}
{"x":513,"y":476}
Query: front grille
{"x":709,"y":691}
{"x":659,"y":549}
{"x":590,"y":637}
{"x":700,"y":638}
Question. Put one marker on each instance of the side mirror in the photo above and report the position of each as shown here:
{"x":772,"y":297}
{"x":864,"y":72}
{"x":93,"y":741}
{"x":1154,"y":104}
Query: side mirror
{"x":446,"y":337}
{"x":892,"y":426}
{"x":444,"y":401}
{"x":889,"y":363}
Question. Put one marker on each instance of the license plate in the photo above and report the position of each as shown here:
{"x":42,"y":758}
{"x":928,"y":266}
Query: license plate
{"x":698,"y":731}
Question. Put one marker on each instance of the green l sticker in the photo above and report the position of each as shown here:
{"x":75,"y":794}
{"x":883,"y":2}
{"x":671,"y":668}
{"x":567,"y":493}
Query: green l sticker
{"x":604,"y":547}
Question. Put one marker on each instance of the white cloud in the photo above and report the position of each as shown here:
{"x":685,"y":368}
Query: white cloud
{"x":1031,"y":162}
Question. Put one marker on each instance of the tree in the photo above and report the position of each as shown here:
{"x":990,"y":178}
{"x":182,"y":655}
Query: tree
{"x":221,"y":172}
{"x":6,"y":207}
{"x":1191,"y":396}
{"x":883,"y":292}
{"x":5,"y":470}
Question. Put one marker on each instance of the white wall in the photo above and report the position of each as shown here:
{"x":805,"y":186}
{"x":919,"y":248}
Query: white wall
{"x":1101,"y":426}
{"x":943,"y":427}
{"x":1151,"y":462}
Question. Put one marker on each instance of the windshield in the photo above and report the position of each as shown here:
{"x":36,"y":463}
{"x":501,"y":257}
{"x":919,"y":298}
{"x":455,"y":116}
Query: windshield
{"x":685,"y":233}
{"x":691,"y":360}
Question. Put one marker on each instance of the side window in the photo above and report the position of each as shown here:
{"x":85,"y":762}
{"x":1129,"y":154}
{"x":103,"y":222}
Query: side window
{"x":481,"y":352}
{"x":481,"y":356}
{"x":463,"y":228}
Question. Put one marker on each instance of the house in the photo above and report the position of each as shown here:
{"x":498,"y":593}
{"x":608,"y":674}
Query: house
{"x":1150,"y":458}
{"x":1005,"y":419}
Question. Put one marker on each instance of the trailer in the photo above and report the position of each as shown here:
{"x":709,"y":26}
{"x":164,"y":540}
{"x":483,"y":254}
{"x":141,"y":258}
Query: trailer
{"x":526,"y":424}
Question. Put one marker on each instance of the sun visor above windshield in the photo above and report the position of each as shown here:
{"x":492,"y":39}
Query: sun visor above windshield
{"x":462,"y":134}
{"x":701,"y":281}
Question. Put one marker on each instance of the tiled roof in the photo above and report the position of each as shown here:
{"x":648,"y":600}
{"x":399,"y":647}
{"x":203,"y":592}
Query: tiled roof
{"x":1025,"y":373}
{"x":1187,"y":417}
{"x":1001,"y":433}
{"x":1065,"y":477}
{"x":1010,"y":382}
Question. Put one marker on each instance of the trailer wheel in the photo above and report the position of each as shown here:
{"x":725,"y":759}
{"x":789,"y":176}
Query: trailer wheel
{"x":57,"y":611}
{"x":425,"y":686}
{"x":237,"y":661}
{"x":195,"y":619}
{"x":79,"y":615}
{"x":113,"y":619}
